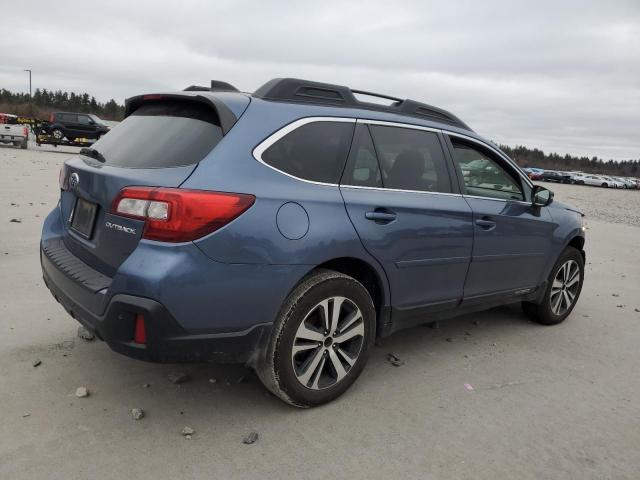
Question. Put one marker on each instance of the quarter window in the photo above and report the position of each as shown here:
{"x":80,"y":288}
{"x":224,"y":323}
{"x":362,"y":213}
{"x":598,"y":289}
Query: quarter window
{"x":410,"y":159}
{"x":483,"y":176}
{"x":316,"y":151}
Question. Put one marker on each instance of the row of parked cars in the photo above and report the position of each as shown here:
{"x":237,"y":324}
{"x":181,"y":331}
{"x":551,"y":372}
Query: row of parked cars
{"x":581,"y":178}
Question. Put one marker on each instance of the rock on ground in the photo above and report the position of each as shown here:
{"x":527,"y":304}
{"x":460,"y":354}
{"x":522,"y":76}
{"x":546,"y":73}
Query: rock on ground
{"x":82,"y":392}
{"x":137,"y":413}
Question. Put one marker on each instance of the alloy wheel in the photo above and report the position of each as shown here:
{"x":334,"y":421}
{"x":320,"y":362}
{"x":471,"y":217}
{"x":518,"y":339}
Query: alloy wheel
{"x":564,"y":289}
{"x":328,"y":343}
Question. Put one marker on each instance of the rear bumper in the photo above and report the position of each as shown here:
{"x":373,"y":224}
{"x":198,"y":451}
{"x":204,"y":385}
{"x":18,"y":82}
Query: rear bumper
{"x":167,"y":341}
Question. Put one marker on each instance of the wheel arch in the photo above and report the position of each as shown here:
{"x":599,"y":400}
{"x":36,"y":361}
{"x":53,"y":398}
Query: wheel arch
{"x":577,"y":241}
{"x":372,"y":278}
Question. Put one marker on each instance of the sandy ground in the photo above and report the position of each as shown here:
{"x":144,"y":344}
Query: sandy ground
{"x":549,"y":402}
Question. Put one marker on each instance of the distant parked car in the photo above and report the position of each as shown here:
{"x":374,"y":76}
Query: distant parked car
{"x":553,"y":176}
{"x":626,"y":182}
{"x":12,"y":132}
{"x":612,"y":182}
{"x":635,"y":182}
{"x":534,"y":173}
{"x":594,"y":180}
{"x":76,"y":125}
{"x":578,"y":177}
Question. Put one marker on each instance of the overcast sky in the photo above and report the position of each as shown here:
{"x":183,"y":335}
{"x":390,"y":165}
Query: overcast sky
{"x":562,"y":76}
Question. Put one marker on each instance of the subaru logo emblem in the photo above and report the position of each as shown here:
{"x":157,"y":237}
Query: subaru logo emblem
{"x":74,"y":180}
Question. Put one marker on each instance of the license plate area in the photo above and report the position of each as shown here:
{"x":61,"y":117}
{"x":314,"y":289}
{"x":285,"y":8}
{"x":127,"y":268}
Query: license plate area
{"x":84,"y":218}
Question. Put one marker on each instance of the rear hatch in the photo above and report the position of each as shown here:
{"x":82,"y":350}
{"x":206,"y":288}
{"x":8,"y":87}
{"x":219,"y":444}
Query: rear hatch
{"x":158,"y":144}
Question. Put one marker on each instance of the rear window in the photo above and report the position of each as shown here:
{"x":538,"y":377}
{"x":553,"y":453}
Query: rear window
{"x":161,"y":134}
{"x":316,"y":151}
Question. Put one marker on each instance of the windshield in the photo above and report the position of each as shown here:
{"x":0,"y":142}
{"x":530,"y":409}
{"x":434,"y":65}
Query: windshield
{"x":160,"y":134}
{"x":96,"y":119}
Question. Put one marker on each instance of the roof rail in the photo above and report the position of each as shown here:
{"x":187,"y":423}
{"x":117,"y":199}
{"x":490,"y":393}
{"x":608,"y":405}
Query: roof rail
{"x":307,"y":91}
{"x":216,"y":86}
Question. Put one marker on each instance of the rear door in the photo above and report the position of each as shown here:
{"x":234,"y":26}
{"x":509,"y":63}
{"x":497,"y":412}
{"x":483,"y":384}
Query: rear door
{"x":69,"y":122}
{"x":512,"y":238}
{"x":399,"y":196}
{"x":159,"y":144}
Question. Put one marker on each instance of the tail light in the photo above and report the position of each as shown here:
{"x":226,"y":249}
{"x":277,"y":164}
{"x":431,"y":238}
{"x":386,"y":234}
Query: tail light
{"x":176,"y":215}
{"x":52,"y":118}
{"x":25,"y":131}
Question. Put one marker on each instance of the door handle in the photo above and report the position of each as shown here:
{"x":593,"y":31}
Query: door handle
{"x":486,"y":223}
{"x":380,"y":216}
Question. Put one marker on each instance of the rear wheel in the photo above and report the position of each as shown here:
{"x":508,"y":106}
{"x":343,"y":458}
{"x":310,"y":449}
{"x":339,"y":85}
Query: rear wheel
{"x":320,"y":341}
{"x":24,"y":145}
{"x":57,"y":134}
{"x":604,"y":185}
{"x":563,"y":290}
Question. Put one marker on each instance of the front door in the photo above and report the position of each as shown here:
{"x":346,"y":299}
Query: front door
{"x":399,"y":196}
{"x":512,"y":238}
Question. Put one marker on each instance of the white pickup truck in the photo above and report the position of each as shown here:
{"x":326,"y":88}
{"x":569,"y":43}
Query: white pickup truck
{"x":12,"y":132}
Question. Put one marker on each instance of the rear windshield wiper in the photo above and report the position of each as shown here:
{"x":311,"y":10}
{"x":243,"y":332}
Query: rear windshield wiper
{"x":95,"y":154}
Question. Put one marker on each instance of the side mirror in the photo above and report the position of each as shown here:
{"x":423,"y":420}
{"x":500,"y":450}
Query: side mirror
{"x":541,"y":197}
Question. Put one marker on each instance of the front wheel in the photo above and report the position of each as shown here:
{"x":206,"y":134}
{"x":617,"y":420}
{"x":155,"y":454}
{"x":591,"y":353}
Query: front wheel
{"x":320,"y":341}
{"x":563,"y":290}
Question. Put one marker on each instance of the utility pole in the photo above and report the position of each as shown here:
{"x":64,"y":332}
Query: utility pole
{"x":30,"y":103}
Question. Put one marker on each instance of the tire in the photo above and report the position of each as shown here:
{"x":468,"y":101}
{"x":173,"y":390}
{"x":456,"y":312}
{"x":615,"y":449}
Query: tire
{"x":57,"y":134}
{"x":604,"y":185}
{"x":580,"y":182}
{"x":310,"y":377}
{"x":548,"y":312}
{"x":24,"y":145}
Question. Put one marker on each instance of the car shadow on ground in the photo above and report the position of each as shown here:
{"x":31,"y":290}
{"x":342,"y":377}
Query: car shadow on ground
{"x":211,"y":390}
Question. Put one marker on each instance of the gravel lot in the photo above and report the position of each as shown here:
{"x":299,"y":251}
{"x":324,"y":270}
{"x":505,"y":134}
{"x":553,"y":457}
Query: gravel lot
{"x":602,"y":204}
{"x":547,"y":402}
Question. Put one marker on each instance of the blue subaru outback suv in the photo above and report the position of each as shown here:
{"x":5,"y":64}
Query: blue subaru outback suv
{"x":289,"y":228}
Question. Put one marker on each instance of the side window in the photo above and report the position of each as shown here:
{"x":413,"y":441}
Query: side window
{"x":68,"y":118}
{"x":410,"y":159}
{"x":83,"y":119}
{"x":316,"y":151}
{"x":362,"y":166}
{"x":484,"y":176}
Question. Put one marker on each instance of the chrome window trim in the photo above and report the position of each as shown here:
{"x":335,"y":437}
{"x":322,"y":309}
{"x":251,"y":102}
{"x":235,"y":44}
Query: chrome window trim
{"x":259,"y":150}
{"x":506,"y":200}
{"x":384,"y":189}
{"x":398,"y":124}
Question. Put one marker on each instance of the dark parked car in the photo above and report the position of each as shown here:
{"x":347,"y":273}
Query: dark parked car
{"x":289,"y":228}
{"x":76,"y":125}
{"x":552,"y":176}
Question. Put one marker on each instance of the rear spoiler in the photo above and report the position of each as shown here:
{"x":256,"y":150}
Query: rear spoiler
{"x":226,"y":116}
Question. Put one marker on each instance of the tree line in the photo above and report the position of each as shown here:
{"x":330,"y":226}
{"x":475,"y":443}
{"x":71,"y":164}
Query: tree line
{"x":46,"y":101}
{"x":527,"y":157}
